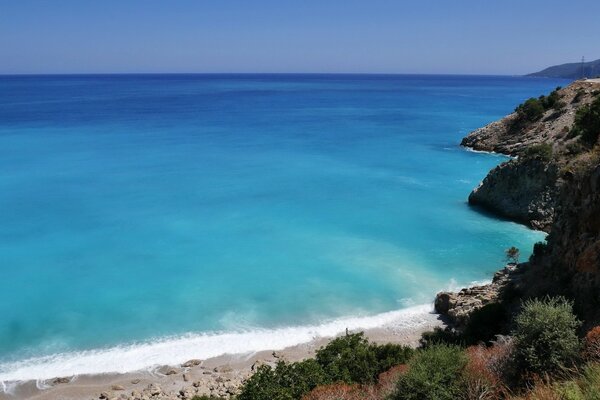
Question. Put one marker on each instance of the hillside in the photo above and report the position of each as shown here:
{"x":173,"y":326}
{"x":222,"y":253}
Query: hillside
{"x":553,"y":184}
{"x":570,"y":71}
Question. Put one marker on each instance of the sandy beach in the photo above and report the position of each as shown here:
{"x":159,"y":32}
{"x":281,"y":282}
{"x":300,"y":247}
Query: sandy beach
{"x":218,"y":376}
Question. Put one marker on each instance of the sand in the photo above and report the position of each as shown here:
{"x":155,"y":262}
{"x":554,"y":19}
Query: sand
{"x":219,"y":376}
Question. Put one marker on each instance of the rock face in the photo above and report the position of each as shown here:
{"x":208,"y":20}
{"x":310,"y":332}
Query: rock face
{"x":570,"y":264}
{"x":526,"y":189}
{"x":459,"y":306}
{"x":559,"y":194}
{"x":521,"y":190}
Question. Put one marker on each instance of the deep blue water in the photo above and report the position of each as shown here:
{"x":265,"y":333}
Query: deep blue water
{"x":137,"y":207}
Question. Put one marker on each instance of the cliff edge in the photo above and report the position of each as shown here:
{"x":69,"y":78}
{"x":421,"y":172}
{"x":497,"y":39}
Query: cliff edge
{"x":539,"y":135}
{"x":553,"y":184}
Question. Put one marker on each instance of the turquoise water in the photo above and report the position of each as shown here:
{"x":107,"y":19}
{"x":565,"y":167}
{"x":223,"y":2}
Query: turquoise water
{"x":143,"y":208}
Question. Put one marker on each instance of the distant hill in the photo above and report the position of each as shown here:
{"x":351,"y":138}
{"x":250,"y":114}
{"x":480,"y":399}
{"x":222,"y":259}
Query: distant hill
{"x":571,"y":71}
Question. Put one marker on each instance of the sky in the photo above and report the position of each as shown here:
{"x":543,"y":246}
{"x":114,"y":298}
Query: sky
{"x":320,"y":36}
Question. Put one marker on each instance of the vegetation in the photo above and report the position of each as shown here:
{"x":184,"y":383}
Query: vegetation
{"x":285,"y":381}
{"x":533,"y":109}
{"x":432,"y":375}
{"x":587,"y":123}
{"x":543,"y":353}
{"x":546,"y":336}
{"x":512,"y":255}
{"x":350,"y":359}
{"x":542,"y":151}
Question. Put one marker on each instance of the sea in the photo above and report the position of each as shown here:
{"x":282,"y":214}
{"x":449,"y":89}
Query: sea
{"x":152,"y":219}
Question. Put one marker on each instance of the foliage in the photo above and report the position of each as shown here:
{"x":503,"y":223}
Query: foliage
{"x":542,"y":151}
{"x":512,"y":255}
{"x":552,"y":100}
{"x":591,"y":345}
{"x":352,"y":359}
{"x":531,"y":110}
{"x":348,"y":359}
{"x":587,"y":123}
{"x":483,"y":374}
{"x":433,"y":374}
{"x":545,"y":336}
{"x":336,"y":391}
{"x":284,"y":382}
{"x":440,"y":336}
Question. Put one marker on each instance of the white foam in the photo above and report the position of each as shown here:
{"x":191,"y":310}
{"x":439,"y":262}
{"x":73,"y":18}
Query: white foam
{"x":176,"y":350}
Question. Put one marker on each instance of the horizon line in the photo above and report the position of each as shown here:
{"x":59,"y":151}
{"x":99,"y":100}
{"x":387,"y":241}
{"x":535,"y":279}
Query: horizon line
{"x":254,"y":73}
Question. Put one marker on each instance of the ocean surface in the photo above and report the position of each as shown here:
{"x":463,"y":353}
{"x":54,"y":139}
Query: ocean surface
{"x":156,"y":218}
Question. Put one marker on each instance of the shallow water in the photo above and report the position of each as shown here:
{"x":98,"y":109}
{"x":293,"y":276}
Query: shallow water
{"x":134,"y":208}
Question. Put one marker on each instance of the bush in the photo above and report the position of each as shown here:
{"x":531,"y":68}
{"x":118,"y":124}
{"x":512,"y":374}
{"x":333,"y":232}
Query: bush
{"x":545,"y":336}
{"x":542,"y":151}
{"x":352,"y":359}
{"x":481,"y":379}
{"x":531,"y":110}
{"x":284,"y":382}
{"x":433,"y":374}
{"x":587,"y":123}
{"x":440,"y":336}
{"x":552,"y":100}
{"x":336,"y":391}
{"x":591,"y":345}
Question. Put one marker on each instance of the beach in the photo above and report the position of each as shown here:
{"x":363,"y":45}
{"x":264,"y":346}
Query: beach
{"x":217,"y":376}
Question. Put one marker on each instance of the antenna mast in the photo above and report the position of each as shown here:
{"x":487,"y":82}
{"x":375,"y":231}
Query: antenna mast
{"x":582,"y":67}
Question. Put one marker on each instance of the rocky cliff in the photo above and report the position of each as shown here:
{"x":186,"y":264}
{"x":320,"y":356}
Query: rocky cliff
{"x":538,"y":135}
{"x":553,"y":184}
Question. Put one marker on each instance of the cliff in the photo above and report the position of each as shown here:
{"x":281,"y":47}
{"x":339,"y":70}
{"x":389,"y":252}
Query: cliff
{"x":538,"y":135}
{"x":553,"y":183}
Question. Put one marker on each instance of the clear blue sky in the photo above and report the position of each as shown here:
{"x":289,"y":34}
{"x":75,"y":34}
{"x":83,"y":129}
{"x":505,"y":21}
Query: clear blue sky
{"x":379,"y":36}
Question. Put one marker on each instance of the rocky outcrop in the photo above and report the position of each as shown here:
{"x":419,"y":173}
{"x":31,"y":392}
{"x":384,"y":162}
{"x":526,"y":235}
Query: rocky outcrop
{"x":520,"y":190}
{"x":511,"y":136}
{"x":570,"y":263}
{"x":525,"y":189}
{"x":558,"y":193}
{"x":459,"y":306}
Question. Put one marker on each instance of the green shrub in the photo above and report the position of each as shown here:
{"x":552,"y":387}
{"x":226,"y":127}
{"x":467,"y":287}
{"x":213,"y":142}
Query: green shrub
{"x":287,"y":381}
{"x":546,"y":336}
{"x":542,"y":151}
{"x":531,"y":110}
{"x":552,"y":100}
{"x":440,"y":336}
{"x":587,"y":123}
{"x":352,"y":359}
{"x":433,"y":374}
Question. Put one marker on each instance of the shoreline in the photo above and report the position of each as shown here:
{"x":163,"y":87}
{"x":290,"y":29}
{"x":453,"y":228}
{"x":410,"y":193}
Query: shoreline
{"x":219,"y":375}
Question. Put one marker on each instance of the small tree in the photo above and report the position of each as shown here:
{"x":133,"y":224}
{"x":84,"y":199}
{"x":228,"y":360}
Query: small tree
{"x":512,"y":255}
{"x":546,"y":335}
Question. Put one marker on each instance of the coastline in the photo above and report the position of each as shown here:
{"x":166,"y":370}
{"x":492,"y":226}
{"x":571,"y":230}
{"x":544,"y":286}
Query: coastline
{"x":219,"y":375}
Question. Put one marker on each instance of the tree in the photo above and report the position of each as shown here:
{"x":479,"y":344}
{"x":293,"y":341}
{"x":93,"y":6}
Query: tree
{"x":512,"y":255}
